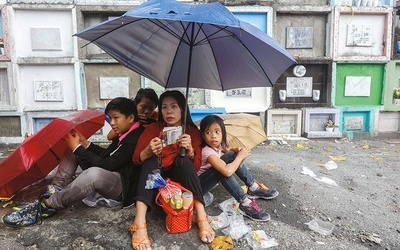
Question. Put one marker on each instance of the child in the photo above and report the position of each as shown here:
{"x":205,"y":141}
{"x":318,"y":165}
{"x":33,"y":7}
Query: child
{"x":107,"y":171}
{"x":146,"y":101}
{"x":220,"y":168}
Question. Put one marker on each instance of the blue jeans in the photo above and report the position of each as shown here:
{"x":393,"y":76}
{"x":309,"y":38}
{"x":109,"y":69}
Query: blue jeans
{"x":211,"y":177}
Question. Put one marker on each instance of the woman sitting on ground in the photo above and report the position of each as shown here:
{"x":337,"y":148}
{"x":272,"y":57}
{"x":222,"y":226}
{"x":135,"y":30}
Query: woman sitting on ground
{"x":183,"y":169}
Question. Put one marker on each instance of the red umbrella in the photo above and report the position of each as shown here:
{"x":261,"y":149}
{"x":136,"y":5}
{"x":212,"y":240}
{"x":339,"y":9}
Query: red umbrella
{"x":40,"y":153}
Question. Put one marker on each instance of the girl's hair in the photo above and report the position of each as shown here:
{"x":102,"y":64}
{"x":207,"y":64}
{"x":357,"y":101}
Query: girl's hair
{"x":205,"y":124}
{"x":181,"y":100}
{"x":123,"y":105}
{"x":146,"y":93}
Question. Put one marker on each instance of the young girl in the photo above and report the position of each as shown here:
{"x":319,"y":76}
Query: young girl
{"x":220,"y":168}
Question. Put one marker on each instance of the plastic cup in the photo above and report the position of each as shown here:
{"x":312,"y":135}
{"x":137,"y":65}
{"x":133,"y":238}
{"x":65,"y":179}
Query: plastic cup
{"x":187,"y":198}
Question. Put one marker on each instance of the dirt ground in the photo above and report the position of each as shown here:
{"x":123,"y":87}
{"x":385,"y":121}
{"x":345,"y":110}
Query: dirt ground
{"x":363,"y":206}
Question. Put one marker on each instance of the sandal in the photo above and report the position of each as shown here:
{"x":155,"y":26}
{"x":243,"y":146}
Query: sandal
{"x":139,"y":241}
{"x":203,"y":231}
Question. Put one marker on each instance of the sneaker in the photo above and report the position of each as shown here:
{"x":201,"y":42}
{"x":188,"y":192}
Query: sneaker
{"x":50,"y":190}
{"x":254,"y":212}
{"x":28,"y":215}
{"x":262,"y":192}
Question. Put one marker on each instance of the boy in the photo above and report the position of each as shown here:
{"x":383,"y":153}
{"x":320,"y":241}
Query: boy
{"x":108,"y":171}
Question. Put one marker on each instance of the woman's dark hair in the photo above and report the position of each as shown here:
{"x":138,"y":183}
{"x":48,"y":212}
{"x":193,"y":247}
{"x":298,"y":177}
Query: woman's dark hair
{"x":146,"y":93}
{"x":206,"y":122}
{"x":123,"y":105}
{"x":181,"y":100}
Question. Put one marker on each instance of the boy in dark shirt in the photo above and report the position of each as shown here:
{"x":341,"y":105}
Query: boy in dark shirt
{"x":107,"y":171}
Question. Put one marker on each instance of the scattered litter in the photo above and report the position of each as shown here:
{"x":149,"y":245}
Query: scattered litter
{"x":208,"y":199}
{"x":378,"y":158}
{"x":237,"y":227}
{"x":244,"y":187}
{"x":351,"y":229}
{"x":330,"y":165}
{"x":370,"y":237}
{"x":229,"y":206}
{"x":393,"y":142}
{"x":270,"y":165}
{"x":326,"y":180}
{"x":299,"y":145}
{"x":307,"y":171}
{"x":366,"y":147}
{"x":224,"y":242}
{"x":98,"y":237}
{"x":319,"y":226}
{"x":219,"y":221}
{"x":281,"y":142}
{"x":6,"y":204}
{"x":320,"y":243}
{"x":337,"y":158}
{"x":260,"y":240}
{"x":329,"y":149}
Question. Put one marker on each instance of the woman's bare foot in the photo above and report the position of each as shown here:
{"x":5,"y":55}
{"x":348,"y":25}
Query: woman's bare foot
{"x":140,"y":239}
{"x":206,"y":232}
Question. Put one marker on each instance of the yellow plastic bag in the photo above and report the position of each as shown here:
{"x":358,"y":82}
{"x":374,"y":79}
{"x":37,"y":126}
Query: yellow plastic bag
{"x":222,"y":243}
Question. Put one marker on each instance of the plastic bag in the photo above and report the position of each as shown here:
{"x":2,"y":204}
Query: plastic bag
{"x":229,"y":206}
{"x":260,"y":240}
{"x":237,"y":227}
{"x":219,"y":221}
{"x":155,"y":180}
{"x":319,"y":226}
{"x":166,"y":190}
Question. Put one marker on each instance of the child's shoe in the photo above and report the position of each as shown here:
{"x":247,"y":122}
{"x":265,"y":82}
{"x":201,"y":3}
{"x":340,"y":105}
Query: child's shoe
{"x":28,"y":215}
{"x":262,"y":192}
{"x":254,"y":212}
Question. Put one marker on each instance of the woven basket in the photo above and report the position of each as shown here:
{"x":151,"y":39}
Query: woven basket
{"x":177,"y":221}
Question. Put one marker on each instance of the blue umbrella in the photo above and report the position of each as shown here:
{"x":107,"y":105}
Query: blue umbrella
{"x":191,"y":45}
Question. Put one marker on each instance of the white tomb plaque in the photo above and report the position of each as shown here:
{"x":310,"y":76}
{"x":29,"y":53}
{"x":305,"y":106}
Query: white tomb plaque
{"x":299,"y":86}
{"x":299,"y":37}
{"x":48,"y":91}
{"x":45,"y":38}
{"x":357,"y":86}
{"x":239,"y":92}
{"x":360,"y":35}
{"x":111,"y":87}
{"x":353,"y":123}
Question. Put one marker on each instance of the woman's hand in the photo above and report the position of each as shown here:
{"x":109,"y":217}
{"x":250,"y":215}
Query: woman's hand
{"x":155,"y":145}
{"x":185,"y":141}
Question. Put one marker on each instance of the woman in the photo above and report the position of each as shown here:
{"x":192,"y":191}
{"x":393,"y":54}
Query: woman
{"x":147,"y":152}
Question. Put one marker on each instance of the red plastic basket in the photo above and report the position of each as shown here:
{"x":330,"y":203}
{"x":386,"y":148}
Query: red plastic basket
{"x":177,"y":221}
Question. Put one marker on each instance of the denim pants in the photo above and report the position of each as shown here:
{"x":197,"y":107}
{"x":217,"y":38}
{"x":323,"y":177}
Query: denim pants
{"x":211,"y":177}
{"x":107,"y":183}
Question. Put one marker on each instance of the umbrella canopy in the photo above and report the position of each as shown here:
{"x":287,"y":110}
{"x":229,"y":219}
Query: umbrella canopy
{"x":191,"y":45}
{"x":243,"y":130}
{"x":41,"y":152}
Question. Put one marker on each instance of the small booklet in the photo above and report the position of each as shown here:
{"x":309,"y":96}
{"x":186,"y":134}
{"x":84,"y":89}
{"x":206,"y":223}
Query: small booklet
{"x":171,"y":134}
